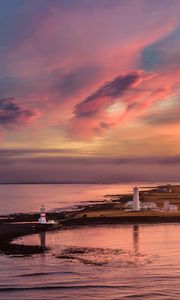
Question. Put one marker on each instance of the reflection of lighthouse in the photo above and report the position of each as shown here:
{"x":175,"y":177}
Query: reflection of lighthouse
{"x":136,"y":204}
{"x":42,"y":218}
{"x":136,"y":238}
{"x":42,"y":236}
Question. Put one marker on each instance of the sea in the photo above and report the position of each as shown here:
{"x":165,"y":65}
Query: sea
{"x":100,"y":262}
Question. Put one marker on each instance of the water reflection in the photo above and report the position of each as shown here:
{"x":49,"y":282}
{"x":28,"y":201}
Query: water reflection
{"x":12,"y":199}
{"x":86,"y":261}
{"x":53,"y":240}
{"x":136,"y":238}
{"x":42,"y":237}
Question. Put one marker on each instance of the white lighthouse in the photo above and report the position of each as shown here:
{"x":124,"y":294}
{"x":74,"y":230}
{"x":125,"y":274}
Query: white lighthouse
{"x":42,"y":219}
{"x":136,"y":203}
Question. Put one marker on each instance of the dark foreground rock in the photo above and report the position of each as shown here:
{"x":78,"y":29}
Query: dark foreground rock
{"x":18,"y":249}
{"x":11,"y":231}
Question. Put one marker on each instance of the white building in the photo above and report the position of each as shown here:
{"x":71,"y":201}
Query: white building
{"x":173,"y":207}
{"x":129,"y":204}
{"x":136,"y":203}
{"x":166,"y":205}
{"x":169,"y":207}
{"x":148,"y":205}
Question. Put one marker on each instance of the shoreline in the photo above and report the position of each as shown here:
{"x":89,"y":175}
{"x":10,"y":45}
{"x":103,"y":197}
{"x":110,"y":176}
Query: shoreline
{"x":12,"y":231}
{"x":105,"y":213}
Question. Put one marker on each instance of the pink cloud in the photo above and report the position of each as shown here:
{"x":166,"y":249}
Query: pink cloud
{"x":53,"y":61}
{"x":92,"y":116}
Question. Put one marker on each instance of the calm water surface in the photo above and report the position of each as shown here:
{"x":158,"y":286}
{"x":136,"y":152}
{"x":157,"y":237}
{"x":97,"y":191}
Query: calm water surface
{"x":101,"y":262}
{"x":28,"y":198}
{"x":105,"y":262}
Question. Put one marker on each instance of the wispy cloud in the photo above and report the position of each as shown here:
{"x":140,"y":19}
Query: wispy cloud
{"x":37,"y":169}
{"x":92,"y":112}
{"x":107,"y":94}
{"x":72,"y":61}
{"x":12,"y":114}
{"x":92,"y":117}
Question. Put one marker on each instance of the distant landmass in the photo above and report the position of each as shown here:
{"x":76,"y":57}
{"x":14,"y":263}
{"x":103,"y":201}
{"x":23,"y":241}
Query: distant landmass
{"x":65,"y":182}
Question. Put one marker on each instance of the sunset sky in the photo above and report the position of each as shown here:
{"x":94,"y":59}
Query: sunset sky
{"x":89,"y":90}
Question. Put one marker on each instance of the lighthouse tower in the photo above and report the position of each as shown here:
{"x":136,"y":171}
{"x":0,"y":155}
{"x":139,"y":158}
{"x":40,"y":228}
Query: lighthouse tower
{"x":42,"y":219}
{"x":136,"y":203}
